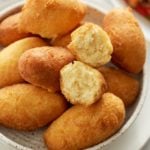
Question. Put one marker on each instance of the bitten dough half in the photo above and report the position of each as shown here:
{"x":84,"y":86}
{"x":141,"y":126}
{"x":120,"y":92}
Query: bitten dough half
{"x":51,"y":18}
{"x":121,"y":84}
{"x":26,"y":107}
{"x":81,"y":127}
{"x":81,"y":84}
{"x":9,"y":30}
{"x":41,"y":66}
{"x":9,"y":57}
{"x":127,"y":39}
{"x":90,"y":44}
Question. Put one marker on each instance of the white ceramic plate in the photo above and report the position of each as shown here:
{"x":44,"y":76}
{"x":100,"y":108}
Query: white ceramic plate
{"x":34,"y":140}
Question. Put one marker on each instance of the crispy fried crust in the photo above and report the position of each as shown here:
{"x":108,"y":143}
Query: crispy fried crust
{"x":25,"y":107}
{"x":81,"y":84}
{"x":51,"y":18}
{"x":62,"y":41}
{"x":91,"y":44}
{"x":81,"y":127}
{"x":9,"y":30}
{"x":9,"y":57}
{"x":127,"y":39}
{"x":121,"y":84}
{"x":41,"y":66}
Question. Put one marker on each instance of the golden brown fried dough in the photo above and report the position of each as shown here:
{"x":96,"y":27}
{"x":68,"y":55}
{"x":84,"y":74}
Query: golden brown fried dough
{"x":121,"y":84}
{"x":62,"y":41}
{"x":26,"y":107}
{"x":9,"y":30}
{"x":81,"y":84}
{"x":127,"y":39}
{"x":9,"y":57}
{"x":41,"y":66}
{"x":91,"y":44}
{"x":51,"y":18}
{"x":81,"y":127}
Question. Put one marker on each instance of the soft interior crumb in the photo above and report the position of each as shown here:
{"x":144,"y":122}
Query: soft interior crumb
{"x":81,"y":83}
{"x":91,"y":45}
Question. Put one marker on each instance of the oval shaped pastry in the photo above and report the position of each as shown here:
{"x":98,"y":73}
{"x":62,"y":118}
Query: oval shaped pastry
{"x":9,"y":57}
{"x":26,"y":107}
{"x":41,"y":66}
{"x":121,"y":84}
{"x":81,"y":127}
{"x":10,"y":31}
{"x":127,"y":39}
{"x":62,"y":41}
{"x":51,"y":18}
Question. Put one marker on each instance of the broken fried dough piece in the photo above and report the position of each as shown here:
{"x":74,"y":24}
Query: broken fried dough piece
{"x":90,"y":44}
{"x":121,"y":84}
{"x":81,"y":127}
{"x":10,"y":31}
{"x":81,"y":84}
{"x":51,"y":18}
{"x":26,"y":107}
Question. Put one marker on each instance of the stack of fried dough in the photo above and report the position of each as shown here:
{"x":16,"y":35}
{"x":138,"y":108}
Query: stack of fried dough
{"x":54,"y":71}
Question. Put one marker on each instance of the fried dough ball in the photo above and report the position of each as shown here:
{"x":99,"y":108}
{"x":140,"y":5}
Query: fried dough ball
{"x":81,"y":84}
{"x":91,"y":44}
{"x":121,"y":84}
{"x":127,"y":39}
{"x":9,"y":56}
{"x":41,"y":66}
{"x":62,"y":41}
{"x":9,"y":30}
{"x":81,"y":127}
{"x":51,"y":18}
{"x":26,"y":107}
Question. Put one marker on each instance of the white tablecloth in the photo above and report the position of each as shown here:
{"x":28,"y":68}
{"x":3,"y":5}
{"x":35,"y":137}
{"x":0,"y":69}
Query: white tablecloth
{"x":137,"y":134}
